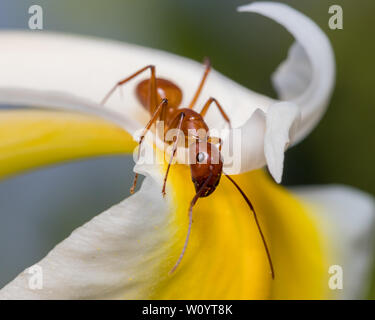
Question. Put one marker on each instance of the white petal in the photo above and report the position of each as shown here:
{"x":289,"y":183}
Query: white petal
{"x":87,"y":68}
{"x":64,"y":101}
{"x":293,"y":76}
{"x":282,"y":122}
{"x":307,"y":77}
{"x":244,"y":144}
{"x":74,"y":72}
{"x":37,"y":66}
{"x":347,"y":217}
{"x":114,"y":256}
{"x":305,"y":81}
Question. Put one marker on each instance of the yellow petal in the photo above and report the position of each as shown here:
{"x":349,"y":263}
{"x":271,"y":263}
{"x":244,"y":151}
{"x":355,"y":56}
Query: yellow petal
{"x":299,"y":248}
{"x":34,"y":138}
{"x":225,"y":258}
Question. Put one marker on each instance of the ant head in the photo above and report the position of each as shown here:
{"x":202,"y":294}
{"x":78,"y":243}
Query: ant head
{"x":205,"y":164}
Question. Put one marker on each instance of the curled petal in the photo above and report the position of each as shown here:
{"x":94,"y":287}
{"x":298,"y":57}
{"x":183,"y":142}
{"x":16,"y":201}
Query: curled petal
{"x":307,"y":77}
{"x":293,"y":76}
{"x":282,"y":122}
{"x":244,"y":144}
{"x":305,"y":81}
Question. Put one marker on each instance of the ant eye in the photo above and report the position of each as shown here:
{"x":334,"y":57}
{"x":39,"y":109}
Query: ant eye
{"x":200,"y":157}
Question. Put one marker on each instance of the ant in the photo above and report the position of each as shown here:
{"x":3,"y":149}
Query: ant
{"x":162,"y":98}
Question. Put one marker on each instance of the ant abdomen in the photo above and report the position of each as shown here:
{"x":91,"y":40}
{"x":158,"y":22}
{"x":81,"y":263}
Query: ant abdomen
{"x":164,"y":89}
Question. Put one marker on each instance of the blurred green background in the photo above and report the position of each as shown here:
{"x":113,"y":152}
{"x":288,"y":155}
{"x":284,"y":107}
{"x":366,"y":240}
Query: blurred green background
{"x":247,"y":48}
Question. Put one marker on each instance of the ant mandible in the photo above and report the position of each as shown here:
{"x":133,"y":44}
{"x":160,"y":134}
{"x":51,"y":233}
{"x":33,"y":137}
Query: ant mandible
{"x":162,"y":98}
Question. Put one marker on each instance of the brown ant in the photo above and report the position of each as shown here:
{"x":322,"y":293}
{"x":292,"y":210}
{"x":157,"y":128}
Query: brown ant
{"x":162,"y":99}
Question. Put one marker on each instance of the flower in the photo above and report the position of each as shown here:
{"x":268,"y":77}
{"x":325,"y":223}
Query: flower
{"x":127,"y":251}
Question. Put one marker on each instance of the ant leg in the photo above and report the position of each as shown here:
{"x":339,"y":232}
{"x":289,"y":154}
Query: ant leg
{"x":153,"y":94}
{"x":207,"y":63}
{"x":209,"y":103}
{"x":175,"y":141}
{"x":163,"y":104}
{"x":215,"y":140}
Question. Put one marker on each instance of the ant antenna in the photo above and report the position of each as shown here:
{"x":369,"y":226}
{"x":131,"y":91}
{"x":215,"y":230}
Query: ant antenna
{"x":192,"y":203}
{"x":257,"y":223}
